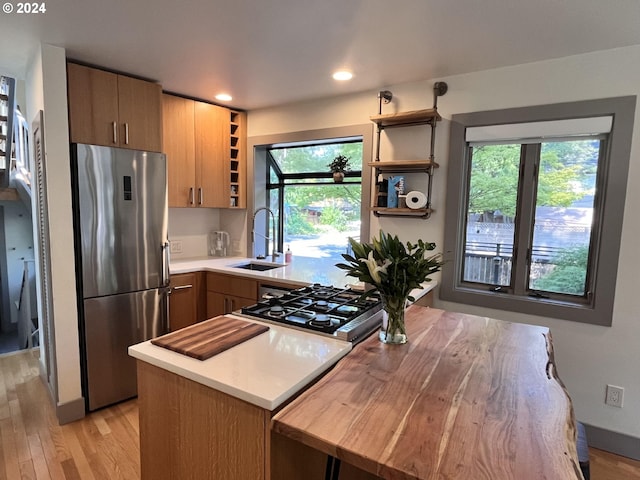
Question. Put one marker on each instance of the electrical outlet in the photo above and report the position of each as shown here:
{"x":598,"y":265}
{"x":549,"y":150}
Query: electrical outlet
{"x":614,"y":396}
{"x":176,"y":246}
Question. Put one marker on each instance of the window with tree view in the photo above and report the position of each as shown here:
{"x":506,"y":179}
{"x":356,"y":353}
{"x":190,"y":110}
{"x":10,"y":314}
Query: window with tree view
{"x":562,"y":186}
{"x":537,"y":196}
{"x":317,"y":215}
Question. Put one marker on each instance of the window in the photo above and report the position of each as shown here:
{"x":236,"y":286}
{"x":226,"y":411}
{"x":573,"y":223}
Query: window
{"x":535,"y":199}
{"x":317,"y":215}
{"x":314,"y":215}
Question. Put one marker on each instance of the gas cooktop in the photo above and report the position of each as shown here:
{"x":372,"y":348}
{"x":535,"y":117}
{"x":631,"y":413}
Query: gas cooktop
{"x":331,"y":311}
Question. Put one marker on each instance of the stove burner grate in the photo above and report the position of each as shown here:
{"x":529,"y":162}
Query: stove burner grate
{"x":324,"y":310}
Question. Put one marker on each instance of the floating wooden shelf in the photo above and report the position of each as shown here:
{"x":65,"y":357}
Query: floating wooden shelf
{"x":403,"y":165}
{"x":382,"y":169}
{"x":402,"y":212}
{"x":405,"y":119}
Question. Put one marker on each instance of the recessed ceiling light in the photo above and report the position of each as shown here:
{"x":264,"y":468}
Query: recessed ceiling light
{"x":224,"y":97}
{"x":342,"y":75}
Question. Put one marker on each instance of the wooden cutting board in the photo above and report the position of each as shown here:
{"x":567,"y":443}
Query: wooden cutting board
{"x":206,"y":339}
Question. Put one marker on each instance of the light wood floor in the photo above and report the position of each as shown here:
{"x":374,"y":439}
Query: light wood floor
{"x":105,"y":444}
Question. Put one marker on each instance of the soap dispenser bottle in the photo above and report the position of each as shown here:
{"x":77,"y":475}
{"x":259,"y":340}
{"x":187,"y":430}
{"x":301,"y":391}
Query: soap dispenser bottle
{"x":288,"y":255}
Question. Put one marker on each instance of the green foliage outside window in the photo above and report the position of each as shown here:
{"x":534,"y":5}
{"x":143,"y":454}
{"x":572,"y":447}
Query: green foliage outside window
{"x":568,"y":274}
{"x":310,"y":207}
{"x":567,"y":167}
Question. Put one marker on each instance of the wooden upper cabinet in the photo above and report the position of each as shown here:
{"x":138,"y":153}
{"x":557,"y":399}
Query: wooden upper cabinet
{"x":113,"y":110}
{"x":93,"y":105}
{"x":196,"y":139}
{"x":212,"y":146}
{"x":178,"y":144}
{"x":140,"y":114}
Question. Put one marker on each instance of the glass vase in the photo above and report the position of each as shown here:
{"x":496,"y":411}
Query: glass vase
{"x":393,"y":330}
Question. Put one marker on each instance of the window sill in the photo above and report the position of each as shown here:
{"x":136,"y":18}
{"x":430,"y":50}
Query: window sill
{"x":544,"y":307}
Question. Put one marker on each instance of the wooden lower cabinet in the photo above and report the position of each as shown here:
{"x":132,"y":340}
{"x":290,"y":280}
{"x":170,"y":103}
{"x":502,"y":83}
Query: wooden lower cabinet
{"x":183,"y":301}
{"x":188,"y":299}
{"x":220,"y":303}
{"x":226,"y":293}
{"x":192,"y":432}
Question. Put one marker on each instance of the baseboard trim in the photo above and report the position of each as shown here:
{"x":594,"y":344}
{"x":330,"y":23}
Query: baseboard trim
{"x":70,"y":411}
{"x":618,"y":443}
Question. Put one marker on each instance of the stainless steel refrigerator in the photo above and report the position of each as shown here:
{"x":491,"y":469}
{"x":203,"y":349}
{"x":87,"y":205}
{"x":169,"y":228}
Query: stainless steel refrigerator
{"x":122,"y":263}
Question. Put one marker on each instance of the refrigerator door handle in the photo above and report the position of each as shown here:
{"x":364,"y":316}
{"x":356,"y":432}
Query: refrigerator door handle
{"x":165,"y":264}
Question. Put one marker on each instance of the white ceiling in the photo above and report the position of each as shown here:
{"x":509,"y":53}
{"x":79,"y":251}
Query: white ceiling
{"x":271,"y":52}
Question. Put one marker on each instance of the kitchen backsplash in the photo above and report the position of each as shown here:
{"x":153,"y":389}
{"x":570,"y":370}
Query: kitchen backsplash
{"x":189,"y":231}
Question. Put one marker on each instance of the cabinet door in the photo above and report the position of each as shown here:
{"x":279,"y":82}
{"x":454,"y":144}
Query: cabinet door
{"x":93,"y":105}
{"x":219,"y":303}
{"x":212,"y":149}
{"x":140,"y":114}
{"x":178,"y":138}
{"x":233,"y":285}
{"x":183,"y":301}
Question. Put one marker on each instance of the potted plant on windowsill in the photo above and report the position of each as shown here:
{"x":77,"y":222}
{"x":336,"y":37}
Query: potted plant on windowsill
{"x":338,"y":166}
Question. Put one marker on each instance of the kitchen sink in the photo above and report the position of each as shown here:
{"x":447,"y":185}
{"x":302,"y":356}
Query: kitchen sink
{"x":260,"y":267}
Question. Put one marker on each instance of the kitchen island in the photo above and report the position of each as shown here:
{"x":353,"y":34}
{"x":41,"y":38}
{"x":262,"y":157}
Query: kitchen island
{"x":211,"y":419}
{"x":468,"y":398}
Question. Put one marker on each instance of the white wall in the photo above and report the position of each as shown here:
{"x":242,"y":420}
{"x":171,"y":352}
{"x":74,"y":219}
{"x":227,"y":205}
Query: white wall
{"x":588,"y":357}
{"x":47,"y":91}
{"x":191,"y":227}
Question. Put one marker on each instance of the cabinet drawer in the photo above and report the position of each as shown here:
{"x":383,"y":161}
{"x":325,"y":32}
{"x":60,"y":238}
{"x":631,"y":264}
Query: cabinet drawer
{"x":232,"y":285}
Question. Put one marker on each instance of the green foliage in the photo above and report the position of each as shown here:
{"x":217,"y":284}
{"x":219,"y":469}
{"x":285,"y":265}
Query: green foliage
{"x":393,"y":268}
{"x":494,"y":179}
{"x":315,"y":158}
{"x":339,"y":164}
{"x":569,"y":274}
{"x":565,"y":176}
{"x":334,"y":196}
{"x":334,"y":217}
{"x":297,"y":224}
{"x":338,"y":203}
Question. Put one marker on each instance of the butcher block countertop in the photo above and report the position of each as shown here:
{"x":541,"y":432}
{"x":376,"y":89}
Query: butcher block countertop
{"x":467,"y":397}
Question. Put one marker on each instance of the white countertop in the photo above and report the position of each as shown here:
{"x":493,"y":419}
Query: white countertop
{"x":265,"y":370}
{"x":302,"y":271}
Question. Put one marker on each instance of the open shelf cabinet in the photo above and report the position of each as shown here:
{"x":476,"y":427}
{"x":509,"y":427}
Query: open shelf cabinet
{"x":237,"y":158}
{"x":382,"y":169}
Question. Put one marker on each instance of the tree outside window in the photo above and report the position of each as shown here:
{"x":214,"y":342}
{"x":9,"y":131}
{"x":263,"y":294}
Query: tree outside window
{"x":317,"y":215}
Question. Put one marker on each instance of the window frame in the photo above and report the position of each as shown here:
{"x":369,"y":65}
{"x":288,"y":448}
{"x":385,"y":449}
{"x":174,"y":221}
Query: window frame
{"x":351,"y":177}
{"x":611,"y":182}
{"x":257,"y":147}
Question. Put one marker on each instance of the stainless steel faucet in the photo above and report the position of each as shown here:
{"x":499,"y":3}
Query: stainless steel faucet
{"x":274,"y":253}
